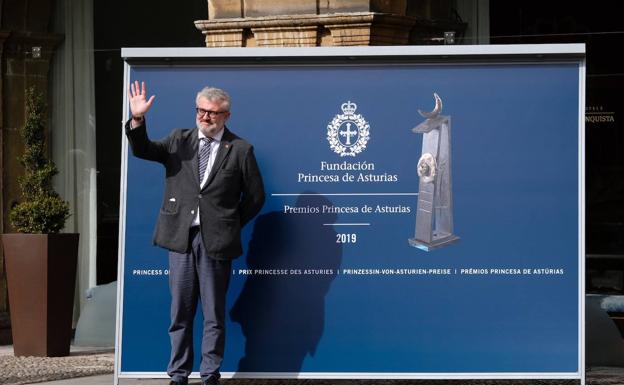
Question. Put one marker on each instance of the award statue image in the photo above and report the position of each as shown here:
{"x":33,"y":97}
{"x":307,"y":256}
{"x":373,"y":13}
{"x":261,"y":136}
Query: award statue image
{"x":434,"y":213}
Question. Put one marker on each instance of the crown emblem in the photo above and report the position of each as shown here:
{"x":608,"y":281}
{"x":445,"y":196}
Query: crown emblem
{"x":348,"y":108}
{"x":348,"y":133}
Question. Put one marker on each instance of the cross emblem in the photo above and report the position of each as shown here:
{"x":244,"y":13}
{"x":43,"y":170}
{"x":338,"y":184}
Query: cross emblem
{"x":348,"y":133}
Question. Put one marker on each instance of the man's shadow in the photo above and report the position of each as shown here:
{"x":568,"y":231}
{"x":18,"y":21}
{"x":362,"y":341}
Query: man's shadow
{"x":282,"y":316}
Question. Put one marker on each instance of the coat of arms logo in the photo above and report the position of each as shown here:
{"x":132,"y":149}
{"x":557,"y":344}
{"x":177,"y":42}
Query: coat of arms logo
{"x":348,"y":132}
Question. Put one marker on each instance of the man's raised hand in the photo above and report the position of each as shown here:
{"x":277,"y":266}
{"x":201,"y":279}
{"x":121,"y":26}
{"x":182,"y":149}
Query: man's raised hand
{"x":137,"y":95}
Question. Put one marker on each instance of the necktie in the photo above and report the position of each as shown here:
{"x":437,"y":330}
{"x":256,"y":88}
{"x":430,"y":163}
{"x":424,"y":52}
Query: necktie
{"x":204,"y":155}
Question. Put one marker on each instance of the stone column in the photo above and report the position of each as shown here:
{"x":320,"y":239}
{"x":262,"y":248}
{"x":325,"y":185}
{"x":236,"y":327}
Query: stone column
{"x":370,"y":29}
{"x":225,"y":37}
{"x":308,"y":23}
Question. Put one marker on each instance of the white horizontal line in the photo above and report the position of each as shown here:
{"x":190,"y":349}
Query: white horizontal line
{"x":346,"y":224}
{"x":372,"y":375}
{"x":341,"y":194}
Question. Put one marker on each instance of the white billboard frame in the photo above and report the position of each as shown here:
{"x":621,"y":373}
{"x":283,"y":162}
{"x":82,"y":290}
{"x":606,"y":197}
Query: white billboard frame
{"x":439,"y":55}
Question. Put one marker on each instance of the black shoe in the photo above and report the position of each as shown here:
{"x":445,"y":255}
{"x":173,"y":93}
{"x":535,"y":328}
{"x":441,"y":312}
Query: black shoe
{"x":210,"y":381}
{"x":178,"y":382}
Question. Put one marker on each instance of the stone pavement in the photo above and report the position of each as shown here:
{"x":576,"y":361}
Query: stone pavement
{"x":80,"y":363}
{"x":595,"y":376}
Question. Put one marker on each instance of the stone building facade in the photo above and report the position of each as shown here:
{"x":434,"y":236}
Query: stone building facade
{"x":310,"y":23}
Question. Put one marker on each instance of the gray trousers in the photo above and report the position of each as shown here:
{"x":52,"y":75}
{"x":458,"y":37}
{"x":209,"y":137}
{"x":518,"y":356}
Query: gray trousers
{"x":193,"y":277}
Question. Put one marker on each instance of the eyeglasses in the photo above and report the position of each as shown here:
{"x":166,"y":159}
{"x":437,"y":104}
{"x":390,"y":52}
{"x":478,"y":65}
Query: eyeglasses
{"x":212,"y":114}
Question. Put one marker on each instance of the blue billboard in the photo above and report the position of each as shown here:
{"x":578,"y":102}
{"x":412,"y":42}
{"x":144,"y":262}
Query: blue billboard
{"x":423,"y":215}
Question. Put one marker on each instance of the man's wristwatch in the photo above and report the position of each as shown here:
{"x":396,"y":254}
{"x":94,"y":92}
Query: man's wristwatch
{"x":137,"y":119}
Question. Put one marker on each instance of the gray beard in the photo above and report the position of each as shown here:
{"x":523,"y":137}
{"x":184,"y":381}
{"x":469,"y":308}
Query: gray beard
{"x":210,"y":134}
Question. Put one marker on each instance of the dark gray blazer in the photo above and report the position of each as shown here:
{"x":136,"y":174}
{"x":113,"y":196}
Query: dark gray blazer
{"x":231,"y":197}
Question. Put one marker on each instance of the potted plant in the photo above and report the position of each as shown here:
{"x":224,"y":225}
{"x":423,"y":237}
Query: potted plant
{"x":40,"y":262}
